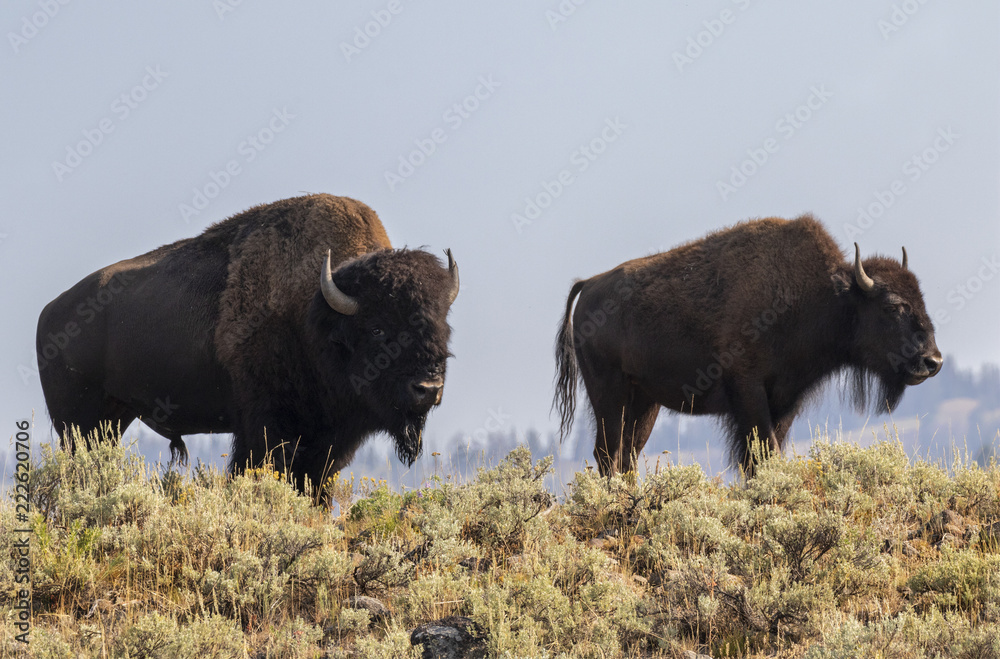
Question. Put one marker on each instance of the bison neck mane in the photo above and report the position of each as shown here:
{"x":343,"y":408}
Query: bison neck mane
{"x":346,"y":418}
{"x":832,"y":325}
{"x":817,"y":342}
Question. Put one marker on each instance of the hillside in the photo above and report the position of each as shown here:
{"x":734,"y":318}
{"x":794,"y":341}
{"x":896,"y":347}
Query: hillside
{"x":845,"y":552}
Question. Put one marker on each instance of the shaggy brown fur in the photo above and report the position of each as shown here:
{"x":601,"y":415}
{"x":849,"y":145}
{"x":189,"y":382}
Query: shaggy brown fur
{"x":742,"y":323}
{"x":229,"y":332}
{"x":290,"y":236}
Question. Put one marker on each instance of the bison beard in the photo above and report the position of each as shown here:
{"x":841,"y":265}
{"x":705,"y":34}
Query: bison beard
{"x":409,"y":441}
{"x":874,"y":392}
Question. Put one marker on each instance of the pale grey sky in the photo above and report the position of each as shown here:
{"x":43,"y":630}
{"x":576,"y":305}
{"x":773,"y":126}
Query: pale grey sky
{"x":457,"y":122}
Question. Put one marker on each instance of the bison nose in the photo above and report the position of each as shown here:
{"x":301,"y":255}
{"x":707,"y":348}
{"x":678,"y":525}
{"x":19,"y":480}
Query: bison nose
{"x":933,"y":364}
{"x":427,"y":392}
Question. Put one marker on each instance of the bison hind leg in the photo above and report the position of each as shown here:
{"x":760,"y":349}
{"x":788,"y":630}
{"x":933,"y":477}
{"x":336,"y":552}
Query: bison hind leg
{"x":623,"y":424}
{"x":640,"y":418}
{"x":90,"y":424}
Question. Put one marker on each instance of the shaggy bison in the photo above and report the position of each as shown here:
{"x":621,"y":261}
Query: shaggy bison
{"x":294,"y":326}
{"x":743,"y":323}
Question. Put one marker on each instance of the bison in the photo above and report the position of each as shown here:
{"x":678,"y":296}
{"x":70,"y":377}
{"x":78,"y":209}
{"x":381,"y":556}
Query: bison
{"x":294,"y":325}
{"x":744,"y":324}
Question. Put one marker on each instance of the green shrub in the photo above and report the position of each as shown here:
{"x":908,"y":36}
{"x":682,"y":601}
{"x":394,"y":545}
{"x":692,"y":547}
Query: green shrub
{"x":838,"y":554}
{"x":966,"y":580}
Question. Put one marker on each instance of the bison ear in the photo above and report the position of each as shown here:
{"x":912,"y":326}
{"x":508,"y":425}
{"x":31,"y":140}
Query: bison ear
{"x":841,"y":283}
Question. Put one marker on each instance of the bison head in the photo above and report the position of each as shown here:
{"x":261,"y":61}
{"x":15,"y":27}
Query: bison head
{"x":385,"y":316}
{"x":893,"y":335}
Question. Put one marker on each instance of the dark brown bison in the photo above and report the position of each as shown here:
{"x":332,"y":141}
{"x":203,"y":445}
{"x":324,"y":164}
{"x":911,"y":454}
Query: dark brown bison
{"x":744,"y":324}
{"x":294,"y":326}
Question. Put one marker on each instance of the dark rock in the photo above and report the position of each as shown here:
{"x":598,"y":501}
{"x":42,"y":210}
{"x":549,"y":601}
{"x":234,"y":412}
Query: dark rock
{"x":360,"y":540}
{"x":904,"y":547}
{"x":690,"y":654}
{"x":949,"y":540}
{"x":376,"y":610}
{"x":601,"y":542}
{"x":419,"y":552}
{"x":948,"y":528}
{"x":454,"y":637}
{"x":476,"y":564}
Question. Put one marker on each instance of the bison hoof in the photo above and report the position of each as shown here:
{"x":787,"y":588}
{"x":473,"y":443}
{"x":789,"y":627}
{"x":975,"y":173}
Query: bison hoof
{"x":178,"y":452}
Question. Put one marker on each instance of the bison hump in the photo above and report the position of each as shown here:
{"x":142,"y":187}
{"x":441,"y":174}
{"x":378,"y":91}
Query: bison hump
{"x":276,"y":252}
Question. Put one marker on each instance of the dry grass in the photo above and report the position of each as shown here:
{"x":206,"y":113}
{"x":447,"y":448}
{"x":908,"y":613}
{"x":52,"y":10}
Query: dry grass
{"x":845,"y":552}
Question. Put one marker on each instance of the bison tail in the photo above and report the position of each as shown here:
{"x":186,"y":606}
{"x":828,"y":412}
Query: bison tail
{"x":566,"y":368}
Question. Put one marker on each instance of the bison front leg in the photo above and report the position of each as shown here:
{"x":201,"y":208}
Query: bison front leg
{"x":320,"y":465}
{"x":751,"y":421}
{"x":258,"y":445}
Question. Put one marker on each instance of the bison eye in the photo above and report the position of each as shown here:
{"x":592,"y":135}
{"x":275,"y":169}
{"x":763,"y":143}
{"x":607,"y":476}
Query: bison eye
{"x":895,"y":306}
{"x":377,"y":332}
{"x":895,"y":309}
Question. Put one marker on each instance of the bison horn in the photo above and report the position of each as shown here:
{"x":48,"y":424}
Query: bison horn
{"x":904,"y":259}
{"x":866,"y":283}
{"x":336,"y":298}
{"x":453,"y":271}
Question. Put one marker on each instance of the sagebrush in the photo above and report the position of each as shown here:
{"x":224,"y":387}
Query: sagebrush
{"x":846,"y":552}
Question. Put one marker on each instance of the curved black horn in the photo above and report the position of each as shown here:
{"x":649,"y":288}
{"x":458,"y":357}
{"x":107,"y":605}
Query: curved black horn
{"x":336,"y":298}
{"x":453,"y":271}
{"x":866,"y":283}
{"x":904,"y":259}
